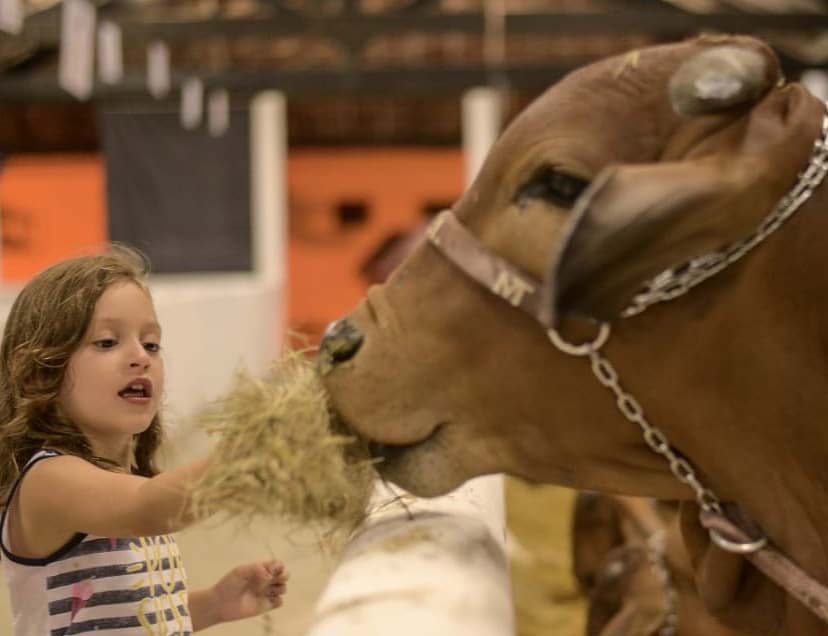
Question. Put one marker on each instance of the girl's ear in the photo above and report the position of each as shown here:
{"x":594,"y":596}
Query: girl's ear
{"x":637,"y":220}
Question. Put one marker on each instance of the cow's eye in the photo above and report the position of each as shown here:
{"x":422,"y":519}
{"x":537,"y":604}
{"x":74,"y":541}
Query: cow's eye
{"x":551,"y":185}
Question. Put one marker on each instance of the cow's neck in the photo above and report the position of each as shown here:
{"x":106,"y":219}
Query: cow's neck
{"x":754,"y":380}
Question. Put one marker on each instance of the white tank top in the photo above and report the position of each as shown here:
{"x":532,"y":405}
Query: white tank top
{"x":129,"y":586}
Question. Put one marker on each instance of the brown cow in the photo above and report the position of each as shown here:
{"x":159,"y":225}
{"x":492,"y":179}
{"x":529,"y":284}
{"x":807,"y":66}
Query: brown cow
{"x":683,"y":150}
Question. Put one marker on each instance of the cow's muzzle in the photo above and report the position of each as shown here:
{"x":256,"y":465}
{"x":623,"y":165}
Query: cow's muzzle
{"x":339,"y":344}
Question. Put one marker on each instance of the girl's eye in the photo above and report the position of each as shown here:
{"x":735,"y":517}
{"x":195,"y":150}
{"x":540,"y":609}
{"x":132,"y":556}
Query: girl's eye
{"x":105,"y":343}
{"x":152,"y":347}
{"x":552,"y":186}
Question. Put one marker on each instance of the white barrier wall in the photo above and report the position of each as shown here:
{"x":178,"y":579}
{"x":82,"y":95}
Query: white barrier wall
{"x":439,"y":566}
{"x":212,"y":325}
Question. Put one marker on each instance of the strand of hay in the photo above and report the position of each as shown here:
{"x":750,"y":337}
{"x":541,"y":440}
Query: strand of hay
{"x":280,"y":453}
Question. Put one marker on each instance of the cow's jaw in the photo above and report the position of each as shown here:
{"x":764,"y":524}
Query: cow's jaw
{"x":422,"y":468}
{"x":388,"y":454}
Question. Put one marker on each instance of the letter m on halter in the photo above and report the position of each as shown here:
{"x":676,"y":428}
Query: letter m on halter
{"x":511,"y":287}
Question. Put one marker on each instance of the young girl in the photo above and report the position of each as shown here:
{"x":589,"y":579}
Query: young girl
{"x":86,"y":514}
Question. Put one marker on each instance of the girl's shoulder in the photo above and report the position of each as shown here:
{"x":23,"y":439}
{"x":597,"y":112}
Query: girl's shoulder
{"x":35,"y":460}
{"x":63,"y":495}
{"x":60,"y":465}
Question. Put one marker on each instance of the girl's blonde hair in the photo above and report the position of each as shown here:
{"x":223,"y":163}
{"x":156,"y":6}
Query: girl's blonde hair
{"x":45,"y":326}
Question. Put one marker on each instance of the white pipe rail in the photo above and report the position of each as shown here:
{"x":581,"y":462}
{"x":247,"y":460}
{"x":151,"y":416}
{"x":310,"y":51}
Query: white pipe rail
{"x":439,"y":567}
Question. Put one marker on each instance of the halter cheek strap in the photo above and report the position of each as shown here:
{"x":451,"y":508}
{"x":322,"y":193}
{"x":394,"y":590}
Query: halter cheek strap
{"x":495,"y":273}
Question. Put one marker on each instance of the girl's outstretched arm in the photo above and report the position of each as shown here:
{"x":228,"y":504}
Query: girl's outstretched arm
{"x":64,"y":495}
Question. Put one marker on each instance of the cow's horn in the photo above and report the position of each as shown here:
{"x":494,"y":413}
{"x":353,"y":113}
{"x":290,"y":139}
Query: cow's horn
{"x":718,"y":78}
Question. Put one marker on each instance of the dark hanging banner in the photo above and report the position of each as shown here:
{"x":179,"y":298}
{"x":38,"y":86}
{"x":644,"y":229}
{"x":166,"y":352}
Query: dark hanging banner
{"x":183,"y":197}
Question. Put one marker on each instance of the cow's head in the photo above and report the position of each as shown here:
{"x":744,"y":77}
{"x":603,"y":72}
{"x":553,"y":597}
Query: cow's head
{"x":621,"y":170}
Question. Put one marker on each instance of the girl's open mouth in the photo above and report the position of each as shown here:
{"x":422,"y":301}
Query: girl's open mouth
{"x":138,"y":391}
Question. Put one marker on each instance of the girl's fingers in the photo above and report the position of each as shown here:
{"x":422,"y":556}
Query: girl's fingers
{"x":274,"y":567}
{"x":274,"y":595}
{"x":277,"y":588}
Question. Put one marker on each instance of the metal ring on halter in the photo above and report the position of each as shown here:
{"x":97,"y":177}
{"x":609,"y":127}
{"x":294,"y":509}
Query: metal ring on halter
{"x":737,"y":547}
{"x":583,"y":349}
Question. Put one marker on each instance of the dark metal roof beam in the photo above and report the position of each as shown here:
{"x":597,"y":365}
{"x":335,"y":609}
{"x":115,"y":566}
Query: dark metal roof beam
{"x":662,"y":20}
{"x":399,"y":81}
{"x":308,"y":82}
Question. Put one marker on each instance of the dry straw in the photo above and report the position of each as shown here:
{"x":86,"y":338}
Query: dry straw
{"x":280,"y":453}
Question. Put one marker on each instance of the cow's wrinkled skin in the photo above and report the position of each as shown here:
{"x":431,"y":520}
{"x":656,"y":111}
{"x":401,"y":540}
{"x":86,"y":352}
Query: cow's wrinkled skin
{"x":734,"y":372}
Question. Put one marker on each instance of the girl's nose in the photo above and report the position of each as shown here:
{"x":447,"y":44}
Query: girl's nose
{"x":139,"y":357}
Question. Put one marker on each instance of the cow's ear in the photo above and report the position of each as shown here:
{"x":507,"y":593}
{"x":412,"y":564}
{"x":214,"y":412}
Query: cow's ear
{"x":635,"y":221}
{"x":721,"y":77}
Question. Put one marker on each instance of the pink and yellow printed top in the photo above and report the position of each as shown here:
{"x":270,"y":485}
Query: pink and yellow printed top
{"x":128,"y":586}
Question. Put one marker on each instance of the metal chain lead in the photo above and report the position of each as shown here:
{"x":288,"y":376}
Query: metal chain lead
{"x":677,"y":281}
{"x":655,"y":438}
{"x":657,"y":441}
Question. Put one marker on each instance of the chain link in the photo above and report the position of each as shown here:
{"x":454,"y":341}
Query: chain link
{"x":653,"y":436}
{"x":676,"y":282}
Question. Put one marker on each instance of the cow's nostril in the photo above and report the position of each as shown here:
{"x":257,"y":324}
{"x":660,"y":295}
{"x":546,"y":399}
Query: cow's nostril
{"x":340,"y":343}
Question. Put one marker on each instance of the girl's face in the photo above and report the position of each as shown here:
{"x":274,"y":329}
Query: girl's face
{"x":115,"y":378}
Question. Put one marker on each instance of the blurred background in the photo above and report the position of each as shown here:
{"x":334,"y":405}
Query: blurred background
{"x":275,"y":157}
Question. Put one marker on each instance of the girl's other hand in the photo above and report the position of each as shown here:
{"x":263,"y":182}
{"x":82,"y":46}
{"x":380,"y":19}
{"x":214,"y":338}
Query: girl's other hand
{"x":249,"y":590}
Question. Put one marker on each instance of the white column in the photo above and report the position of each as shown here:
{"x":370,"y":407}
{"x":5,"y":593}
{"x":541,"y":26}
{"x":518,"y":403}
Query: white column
{"x":439,"y":567}
{"x":816,"y":81}
{"x":482,"y":115}
{"x":268,"y":187}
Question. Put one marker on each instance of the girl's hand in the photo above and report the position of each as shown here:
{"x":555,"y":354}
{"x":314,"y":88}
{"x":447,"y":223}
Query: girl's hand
{"x":249,"y":590}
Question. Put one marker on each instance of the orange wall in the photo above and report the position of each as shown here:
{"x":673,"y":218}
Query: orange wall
{"x":324,"y":279}
{"x":54,"y":207}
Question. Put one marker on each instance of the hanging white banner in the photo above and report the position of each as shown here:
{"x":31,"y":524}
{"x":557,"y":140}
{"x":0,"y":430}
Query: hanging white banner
{"x":110,"y":53}
{"x":11,"y":16}
{"x":76,"y":69}
{"x":158,"y":69}
{"x":218,"y":112}
{"x":192,"y":103}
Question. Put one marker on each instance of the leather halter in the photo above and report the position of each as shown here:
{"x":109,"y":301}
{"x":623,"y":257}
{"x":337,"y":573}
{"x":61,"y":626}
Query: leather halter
{"x":495,"y":273}
{"x":525,"y":292}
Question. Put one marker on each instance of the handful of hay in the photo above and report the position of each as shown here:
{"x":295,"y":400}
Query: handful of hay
{"x":281,"y":453}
